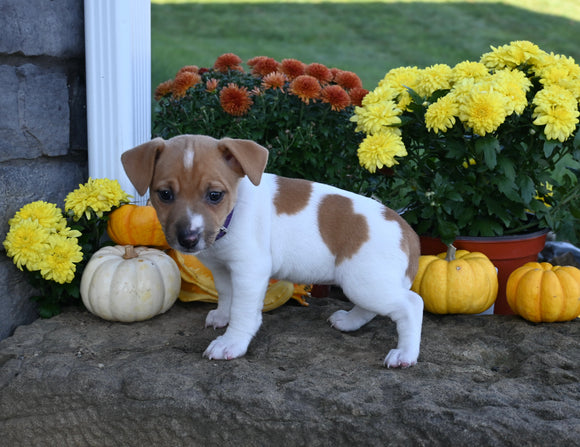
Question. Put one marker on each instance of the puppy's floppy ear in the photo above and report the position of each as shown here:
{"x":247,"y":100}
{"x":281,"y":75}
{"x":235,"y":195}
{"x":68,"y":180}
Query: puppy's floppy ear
{"x":245,"y":157}
{"x":139,"y":163}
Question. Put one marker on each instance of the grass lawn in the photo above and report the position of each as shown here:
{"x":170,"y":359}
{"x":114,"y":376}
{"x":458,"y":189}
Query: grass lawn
{"x":368,"y":38}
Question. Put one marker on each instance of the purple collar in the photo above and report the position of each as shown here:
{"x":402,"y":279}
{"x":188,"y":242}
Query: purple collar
{"x":224,"y":227}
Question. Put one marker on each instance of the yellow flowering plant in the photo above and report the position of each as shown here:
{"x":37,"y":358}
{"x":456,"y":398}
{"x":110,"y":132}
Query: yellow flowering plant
{"x":483,"y":148}
{"x":54,"y":247}
{"x":300,"y":112}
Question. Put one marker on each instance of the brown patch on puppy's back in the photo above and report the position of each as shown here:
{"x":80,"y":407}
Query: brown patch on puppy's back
{"x":342,"y":230}
{"x":292,"y":195}
{"x":409,"y":242}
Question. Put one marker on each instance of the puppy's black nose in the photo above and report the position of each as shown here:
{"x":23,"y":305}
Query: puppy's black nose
{"x":188,"y":239}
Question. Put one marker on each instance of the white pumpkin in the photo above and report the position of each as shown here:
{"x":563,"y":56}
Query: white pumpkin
{"x":126,"y":283}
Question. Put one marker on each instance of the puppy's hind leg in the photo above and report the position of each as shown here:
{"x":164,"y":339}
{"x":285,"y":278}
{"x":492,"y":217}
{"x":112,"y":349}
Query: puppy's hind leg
{"x":352,"y":320}
{"x":408,"y":317}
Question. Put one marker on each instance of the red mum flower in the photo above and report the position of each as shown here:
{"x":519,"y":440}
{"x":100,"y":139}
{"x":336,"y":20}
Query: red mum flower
{"x":292,"y":68}
{"x":265,"y":66}
{"x":347,"y":80}
{"x":228,"y":61}
{"x":184,"y":81}
{"x":274,"y":81}
{"x":357,"y":94}
{"x":320,"y":72}
{"x":336,"y":96}
{"x":235,"y":100}
{"x":163,"y":89}
{"x":306,"y":88}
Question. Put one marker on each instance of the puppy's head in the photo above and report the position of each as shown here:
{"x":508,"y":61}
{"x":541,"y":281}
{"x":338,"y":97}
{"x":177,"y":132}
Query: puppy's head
{"x":193,"y":182}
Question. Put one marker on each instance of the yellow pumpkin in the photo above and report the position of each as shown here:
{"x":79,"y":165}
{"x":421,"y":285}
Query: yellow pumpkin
{"x":129,"y":283}
{"x":197,"y":284}
{"x":136,"y":225}
{"x":456,"y":282}
{"x":541,"y":292}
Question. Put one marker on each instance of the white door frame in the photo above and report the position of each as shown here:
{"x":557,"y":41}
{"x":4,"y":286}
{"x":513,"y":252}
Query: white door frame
{"x":118,"y":74}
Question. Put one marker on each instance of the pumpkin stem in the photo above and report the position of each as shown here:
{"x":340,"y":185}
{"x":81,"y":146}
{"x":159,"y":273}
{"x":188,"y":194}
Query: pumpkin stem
{"x":450,"y":256}
{"x":130,"y":252}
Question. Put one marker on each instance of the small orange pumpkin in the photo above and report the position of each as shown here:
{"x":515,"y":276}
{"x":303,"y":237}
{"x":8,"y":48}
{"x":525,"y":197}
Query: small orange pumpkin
{"x":136,"y":225}
{"x":542,"y":292}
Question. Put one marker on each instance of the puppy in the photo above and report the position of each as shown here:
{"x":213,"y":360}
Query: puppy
{"x":214,"y":200}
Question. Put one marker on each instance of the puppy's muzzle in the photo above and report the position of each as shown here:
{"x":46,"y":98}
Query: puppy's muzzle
{"x":189,"y":239}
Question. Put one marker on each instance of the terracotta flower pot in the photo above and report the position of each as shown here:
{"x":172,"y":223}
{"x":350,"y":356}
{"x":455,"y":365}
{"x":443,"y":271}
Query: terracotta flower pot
{"x":506,"y":252}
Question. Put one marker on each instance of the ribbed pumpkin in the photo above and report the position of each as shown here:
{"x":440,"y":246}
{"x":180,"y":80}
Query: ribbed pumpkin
{"x":542,"y":292}
{"x":197,"y":284}
{"x":136,"y":225}
{"x":456,"y":282}
{"x":129,"y":283}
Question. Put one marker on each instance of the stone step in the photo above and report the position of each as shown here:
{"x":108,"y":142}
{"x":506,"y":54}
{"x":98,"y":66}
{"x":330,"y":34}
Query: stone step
{"x":77,"y":380}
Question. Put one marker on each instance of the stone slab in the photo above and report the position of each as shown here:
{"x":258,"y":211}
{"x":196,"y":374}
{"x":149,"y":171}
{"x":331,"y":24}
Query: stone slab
{"x":486,"y":381}
{"x":39,"y":27}
{"x":35,"y":112}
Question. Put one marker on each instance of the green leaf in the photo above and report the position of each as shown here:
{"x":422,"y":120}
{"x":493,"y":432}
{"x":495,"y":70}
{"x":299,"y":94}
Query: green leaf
{"x":506,"y":166}
{"x":527,"y":188}
{"x":488,"y":146}
{"x":549,"y":147}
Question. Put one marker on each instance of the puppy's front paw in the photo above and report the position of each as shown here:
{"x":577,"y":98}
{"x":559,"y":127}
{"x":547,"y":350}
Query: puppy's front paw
{"x":396,"y":358}
{"x":224,"y":348}
{"x":216,"y":319}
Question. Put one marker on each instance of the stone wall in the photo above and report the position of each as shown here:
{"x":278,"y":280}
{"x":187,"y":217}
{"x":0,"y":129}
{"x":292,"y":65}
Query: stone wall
{"x":43,"y":137}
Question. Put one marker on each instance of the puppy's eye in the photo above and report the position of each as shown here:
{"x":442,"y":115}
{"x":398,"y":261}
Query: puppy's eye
{"x":165,"y":195}
{"x":215,"y":197}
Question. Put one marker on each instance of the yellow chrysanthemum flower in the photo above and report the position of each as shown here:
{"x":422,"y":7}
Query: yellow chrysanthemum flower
{"x":401,"y":79}
{"x":562,"y":71}
{"x":380,"y":150}
{"x":483,"y":111}
{"x":557,"y":110}
{"x":433,"y":78}
{"x":26,"y":242}
{"x":48,"y":215}
{"x":514,"y":85}
{"x":440,"y":116}
{"x":58,"y":263}
{"x":560,"y":122}
{"x":380,"y":94}
{"x":374,"y":118}
{"x":97,"y":195}
{"x":510,"y":56}
{"x":469,"y":69}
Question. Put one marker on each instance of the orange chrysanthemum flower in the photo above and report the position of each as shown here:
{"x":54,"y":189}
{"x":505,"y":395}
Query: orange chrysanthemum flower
{"x":306,"y":87}
{"x":320,"y":72}
{"x":191,"y":68}
{"x":347,"y":79}
{"x":184,"y":81}
{"x":228,"y":61}
{"x":292,"y":68}
{"x":274,"y":81}
{"x":334,"y":72}
{"x":253,"y":61}
{"x":163,"y":89}
{"x":211,"y":85}
{"x":357,"y":94}
{"x":265,"y":66}
{"x":235,"y":100}
{"x":336,"y":96}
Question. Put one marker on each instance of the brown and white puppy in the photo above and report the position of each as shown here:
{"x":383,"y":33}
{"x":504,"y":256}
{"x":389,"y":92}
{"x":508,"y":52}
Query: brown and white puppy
{"x":214,"y":201}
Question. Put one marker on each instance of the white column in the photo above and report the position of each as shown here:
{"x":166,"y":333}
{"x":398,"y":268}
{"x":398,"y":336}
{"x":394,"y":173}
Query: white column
{"x":118,"y":73}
